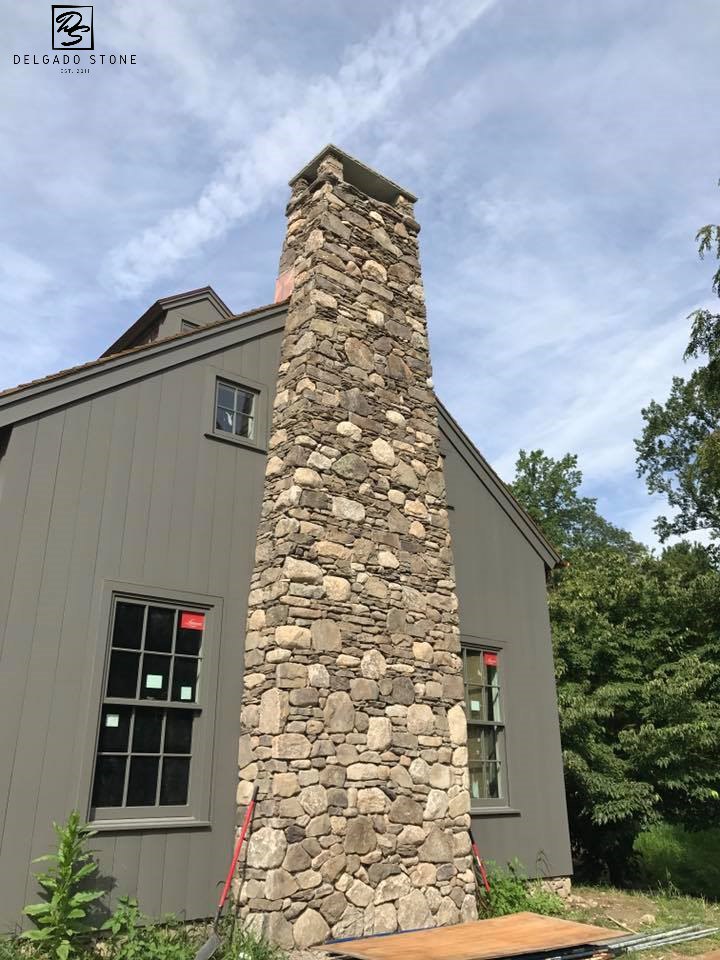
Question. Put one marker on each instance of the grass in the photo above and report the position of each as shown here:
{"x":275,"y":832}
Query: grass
{"x":648,"y":912}
{"x":688,"y":861}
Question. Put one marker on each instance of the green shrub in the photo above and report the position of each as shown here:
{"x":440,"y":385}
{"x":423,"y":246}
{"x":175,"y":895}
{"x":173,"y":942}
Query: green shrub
{"x":512,"y":892}
{"x":132,"y":936}
{"x":61,"y":920}
{"x":689,"y":862}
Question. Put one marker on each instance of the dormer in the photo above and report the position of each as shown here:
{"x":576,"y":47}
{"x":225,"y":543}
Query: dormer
{"x":180,"y":313}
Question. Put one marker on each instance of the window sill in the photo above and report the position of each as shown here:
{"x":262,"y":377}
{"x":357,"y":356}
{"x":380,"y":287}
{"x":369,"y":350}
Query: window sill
{"x":494,"y":812}
{"x":237,"y":442}
{"x":156,"y":823}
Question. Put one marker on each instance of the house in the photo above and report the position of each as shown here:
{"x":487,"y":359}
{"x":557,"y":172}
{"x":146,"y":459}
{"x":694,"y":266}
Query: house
{"x":256,"y":548}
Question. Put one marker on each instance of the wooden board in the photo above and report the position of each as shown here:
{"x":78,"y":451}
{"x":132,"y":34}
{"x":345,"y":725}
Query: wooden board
{"x":479,"y":940}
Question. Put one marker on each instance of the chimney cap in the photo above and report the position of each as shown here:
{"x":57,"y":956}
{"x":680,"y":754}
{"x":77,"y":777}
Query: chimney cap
{"x":371,"y":182}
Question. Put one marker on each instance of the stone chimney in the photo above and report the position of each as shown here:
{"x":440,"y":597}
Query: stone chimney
{"x":353,"y":717}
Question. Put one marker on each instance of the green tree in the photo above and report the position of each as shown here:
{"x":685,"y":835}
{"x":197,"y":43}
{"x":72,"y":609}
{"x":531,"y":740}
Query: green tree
{"x":637,"y":652}
{"x":679,"y":451}
{"x":548,"y":489}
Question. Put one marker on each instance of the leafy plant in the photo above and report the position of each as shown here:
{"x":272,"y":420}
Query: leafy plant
{"x":242,"y":943}
{"x":62,"y":920}
{"x":132,"y":936}
{"x":512,"y":892}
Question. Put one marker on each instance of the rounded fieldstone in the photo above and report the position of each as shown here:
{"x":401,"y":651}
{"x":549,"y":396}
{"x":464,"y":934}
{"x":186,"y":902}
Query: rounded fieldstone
{"x":405,"y":810}
{"x":437,"y":805}
{"x":372,"y":800}
{"x":358,"y":353}
{"x":266,"y":848}
{"x":291,"y":746}
{"x":314,"y":800}
{"x":382,"y":452}
{"x":346,"y":509}
{"x":392,"y":888}
{"x":310,"y":929}
{"x":360,"y":836}
{"x":457,"y":725}
{"x":385,"y":920}
{"x":273,"y":711}
{"x":279,"y":884}
{"x":337,"y":588}
{"x":325,"y":636}
{"x":438,"y":847}
{"x":379,"y":733}
{"x":351,"y":467}
{"x":414,"y":912}
{"x":301,"y":571}
{"x":420,"y":719}
{"x":373,"y":665}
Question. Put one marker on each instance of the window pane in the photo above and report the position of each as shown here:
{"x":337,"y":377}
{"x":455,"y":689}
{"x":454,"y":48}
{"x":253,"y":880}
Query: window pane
{"x":114,"y":729}
{"x":142,"y":783}
{"x":128,"y":625}
{"x":160,"y":625}
{"x":493,"y":780}
{"x":190,"y":631}
{"x":474,"y":667}
{"x":474,"y":743}
{"x":244,"y":402}
{"x":493,"y":704}
{"x":147,"y":730}
{"x":175,"y":778}
{"x":489,"y":744}
{"x":224,"y":420}
{"x":478,"y":785}
{"x":477,"y":703}
{"x":184,"y":679}
{"x":155,"y":677}
{"x":244,"y":426}
{"x":178,"y":731}
{"x":122,"y":678}
{"x":225,"y":396}
{"x":109,"y":782}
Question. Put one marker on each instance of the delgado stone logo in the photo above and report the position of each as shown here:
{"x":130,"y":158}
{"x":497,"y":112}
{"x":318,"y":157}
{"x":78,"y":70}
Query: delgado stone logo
{"x":72,"y":27}
{"x":73,"y":35}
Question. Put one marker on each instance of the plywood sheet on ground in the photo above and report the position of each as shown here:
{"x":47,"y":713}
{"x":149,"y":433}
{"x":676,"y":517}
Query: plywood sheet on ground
{"x":479,"y":940}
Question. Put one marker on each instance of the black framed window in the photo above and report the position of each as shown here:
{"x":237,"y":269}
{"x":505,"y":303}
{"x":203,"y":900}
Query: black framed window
{"x":151,"y":707}
{"x":235,"y":410}
{"x":486,"y":726}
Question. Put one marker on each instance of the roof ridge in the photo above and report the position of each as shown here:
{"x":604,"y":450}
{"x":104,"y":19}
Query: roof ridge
{"x":106,"y":358}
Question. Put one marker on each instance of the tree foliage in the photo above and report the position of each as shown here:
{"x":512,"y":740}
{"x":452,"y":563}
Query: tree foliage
{"x":637,"y":655}
{"x":548,"y":489}
{"x":679,"y":451}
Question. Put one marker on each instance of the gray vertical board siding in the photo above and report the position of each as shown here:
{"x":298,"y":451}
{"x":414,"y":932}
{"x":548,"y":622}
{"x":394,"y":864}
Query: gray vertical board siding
{"x":126,"y":486}
{"x":503,"y":601}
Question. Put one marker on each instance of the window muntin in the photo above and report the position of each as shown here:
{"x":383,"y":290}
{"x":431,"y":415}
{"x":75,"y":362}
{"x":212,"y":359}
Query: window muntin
{"x":150,"y":709}
{"x":235,"y":410}
{"x":486,"y":729}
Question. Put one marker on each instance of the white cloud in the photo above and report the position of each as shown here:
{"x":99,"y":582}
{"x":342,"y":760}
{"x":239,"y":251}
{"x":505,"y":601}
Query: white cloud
{"x":331,"y":107}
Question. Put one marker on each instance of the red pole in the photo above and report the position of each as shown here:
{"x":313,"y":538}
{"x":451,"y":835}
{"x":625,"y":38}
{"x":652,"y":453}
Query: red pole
{"x":480,"y":864}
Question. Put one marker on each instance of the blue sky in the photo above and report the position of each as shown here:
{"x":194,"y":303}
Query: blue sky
{"x":564,"y":151}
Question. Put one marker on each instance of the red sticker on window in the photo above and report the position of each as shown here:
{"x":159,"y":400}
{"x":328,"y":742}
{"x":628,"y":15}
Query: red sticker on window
{"x":490,"y":659}
{"x":192,"y":621}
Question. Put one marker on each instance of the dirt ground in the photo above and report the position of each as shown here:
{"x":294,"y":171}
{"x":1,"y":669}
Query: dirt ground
{"x":647,"y":913}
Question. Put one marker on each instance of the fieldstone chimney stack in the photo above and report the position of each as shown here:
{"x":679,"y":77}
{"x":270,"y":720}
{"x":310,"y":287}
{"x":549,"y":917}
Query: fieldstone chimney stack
{"x":353,"y":717}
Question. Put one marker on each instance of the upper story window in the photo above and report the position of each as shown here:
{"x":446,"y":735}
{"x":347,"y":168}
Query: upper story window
{"x":235,"y":410}
{"x":486,"y":728}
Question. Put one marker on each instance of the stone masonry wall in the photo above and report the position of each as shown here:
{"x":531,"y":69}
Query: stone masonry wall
{"x":353,"y":718}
